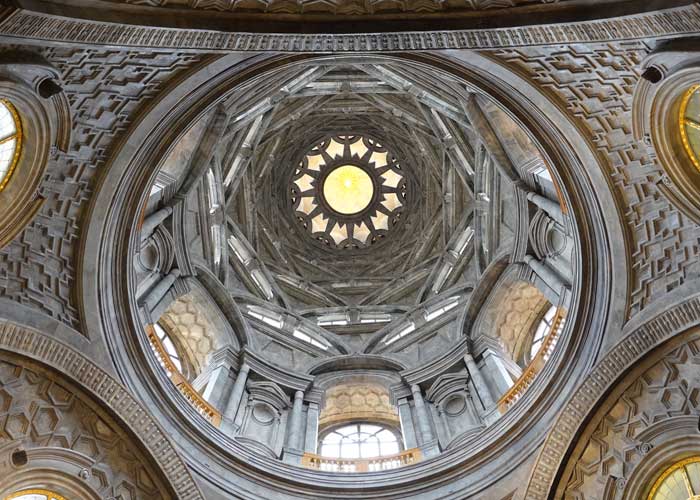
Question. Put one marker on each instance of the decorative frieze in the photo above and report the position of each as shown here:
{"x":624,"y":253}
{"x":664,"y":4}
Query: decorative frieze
{"x":671,"y":22}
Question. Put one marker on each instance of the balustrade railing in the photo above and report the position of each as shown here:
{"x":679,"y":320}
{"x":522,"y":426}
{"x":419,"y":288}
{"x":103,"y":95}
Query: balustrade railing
{"x":528,"y":376}
{"x":195,"y":398}
{"x":374,"y":464}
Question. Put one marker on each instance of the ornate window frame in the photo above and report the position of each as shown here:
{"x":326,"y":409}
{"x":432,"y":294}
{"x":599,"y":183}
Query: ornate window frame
{"x":657,"y":122}
{"x":17,"y":136}
{"x":19,"y":196}
{"x":359,"y":423}
{"x":667,"y":473}
{"x":50,"y":495}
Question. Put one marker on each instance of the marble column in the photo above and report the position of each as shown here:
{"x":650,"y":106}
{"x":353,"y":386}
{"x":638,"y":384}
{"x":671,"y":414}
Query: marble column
{"x":311,"y":437}
{"x":158,"y":292}
{"x":151,"y":222}
{"x":234,"y":399}
{"x":490,"y":139}
{"x":425,"y":431}
{"x":294,"y":436}
{"x":554,"y":284}
{"x":204,"y":152}
{"x":480,"y":384}
{"x":215,"y":390}
{"x":407,"y":430}
{"x":498,"y":374}
{"x":552,"y":208}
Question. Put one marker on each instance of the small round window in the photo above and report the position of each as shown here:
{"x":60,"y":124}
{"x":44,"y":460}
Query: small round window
{"x":35,"y":494}
{"x":690,"y":123}
{"x":10,"y":141}
{"x":679,"y":482}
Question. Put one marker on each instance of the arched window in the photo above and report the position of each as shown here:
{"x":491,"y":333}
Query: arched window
{"x":10,"y":141}
{"x":35,"y":494}
{"x":169,"y":349}
{"x":681,"y":481}
{"x":362,"y":440}
{"x":689,"y":121}
{"x":543,"y":329}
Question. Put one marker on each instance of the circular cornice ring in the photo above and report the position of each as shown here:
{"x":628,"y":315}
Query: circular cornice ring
{"x":112,"y":235}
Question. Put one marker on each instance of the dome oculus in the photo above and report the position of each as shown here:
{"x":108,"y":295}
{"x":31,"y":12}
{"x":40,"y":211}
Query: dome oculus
{"x":348,"y":191}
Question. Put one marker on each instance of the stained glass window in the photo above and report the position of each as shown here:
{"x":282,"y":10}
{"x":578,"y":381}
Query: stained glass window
{"x":690,"y":124}
{"x":679,"y":482}
{"x":10,"y":141}
{"x":359,"y":441}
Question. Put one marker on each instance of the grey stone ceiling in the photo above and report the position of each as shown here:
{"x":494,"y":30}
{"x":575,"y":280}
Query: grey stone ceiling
{"x":418,"y":115}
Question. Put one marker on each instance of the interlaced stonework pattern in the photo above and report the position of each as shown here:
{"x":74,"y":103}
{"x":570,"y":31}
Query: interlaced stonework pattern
{"x":40,"y":413}
{"x":178,"y":185}
{"x":664,"y":393}
{"x":338,"y":7}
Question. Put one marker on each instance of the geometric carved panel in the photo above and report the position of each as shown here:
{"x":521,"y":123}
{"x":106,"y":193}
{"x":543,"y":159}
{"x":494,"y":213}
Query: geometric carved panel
{"x":39,"y":412}
{"x":670,"y":388}
{"x":596,"y":83}
{"x":106,"y":90}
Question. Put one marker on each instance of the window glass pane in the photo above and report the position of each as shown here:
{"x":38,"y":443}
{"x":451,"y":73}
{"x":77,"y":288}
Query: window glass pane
{"x":332,"y":438}
{"x":386,"y":436}
{"x":350,"y":450}
{"x":9,"y":141}
{"x":330,"y":450}
{"x":7,"y":122}
{"x":390,"y":448}
{"x":35,"y":494}
{"x":370,"y":449}
{"x":359,"y":441}
{"x":371,"y":429}
{"x":694,"y":476}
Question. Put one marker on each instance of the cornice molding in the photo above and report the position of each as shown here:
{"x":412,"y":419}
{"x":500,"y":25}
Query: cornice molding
{"x":110,"y":394}
{"x":22,"y":24}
